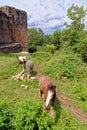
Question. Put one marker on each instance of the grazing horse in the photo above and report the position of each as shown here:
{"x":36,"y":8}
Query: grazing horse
{"x":22,"y":60}
{"x":48,"y":90}
{"x":29,"y":67}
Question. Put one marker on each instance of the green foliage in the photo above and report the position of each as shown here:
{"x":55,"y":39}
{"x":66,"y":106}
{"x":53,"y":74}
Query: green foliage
{"x":6,"y":116}
{"x":27,"y":115}
{"x":84,"y":54}
{"x":76,"y":15}
{"x":64,"y":36}
{"x":41,"y":56}
{"x":35,"y":36}
{"x":56,"y":39}
{"x":69,"y":65}
{"x":68,"y":122}
{"x":45,"y":122}
{"x":32,"y":48}
{"x":80,"y":93}
{"x":6,"y":66}
{"x":74,"y":37}
{"x":50,"y":48}
{"x":80,"y":46}
{"x":77,"y":93}
{"x":48,"y":39}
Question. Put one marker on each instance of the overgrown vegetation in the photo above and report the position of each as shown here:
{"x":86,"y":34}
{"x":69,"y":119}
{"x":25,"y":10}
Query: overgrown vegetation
{"x":64,"y":62}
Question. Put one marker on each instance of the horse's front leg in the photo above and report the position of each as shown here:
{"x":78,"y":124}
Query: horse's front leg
{"x":52,"y":110}
{"x":44,"y":108}
{"x":40,"y":93}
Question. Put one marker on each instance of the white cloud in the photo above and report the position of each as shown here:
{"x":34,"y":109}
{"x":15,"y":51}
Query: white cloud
{"x":46,"y":14}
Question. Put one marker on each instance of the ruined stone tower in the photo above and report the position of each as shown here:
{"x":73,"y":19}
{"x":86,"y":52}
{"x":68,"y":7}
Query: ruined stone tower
{"x":13,"y":30}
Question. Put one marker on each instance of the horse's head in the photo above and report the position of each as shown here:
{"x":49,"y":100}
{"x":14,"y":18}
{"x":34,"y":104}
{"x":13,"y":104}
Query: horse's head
{"x":51,"y":93}
{"x":21,"y":59}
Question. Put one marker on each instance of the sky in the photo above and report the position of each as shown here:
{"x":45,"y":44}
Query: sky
{"x":49,"y":15}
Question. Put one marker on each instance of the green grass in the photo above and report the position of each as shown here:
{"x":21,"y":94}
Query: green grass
{"x":61,"y":68}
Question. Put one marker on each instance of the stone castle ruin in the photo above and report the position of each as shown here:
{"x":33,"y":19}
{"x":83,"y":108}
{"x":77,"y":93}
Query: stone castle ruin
{"x":13,"y":30}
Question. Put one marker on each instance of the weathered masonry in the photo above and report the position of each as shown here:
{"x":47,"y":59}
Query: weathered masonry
{"x":13,"y":29}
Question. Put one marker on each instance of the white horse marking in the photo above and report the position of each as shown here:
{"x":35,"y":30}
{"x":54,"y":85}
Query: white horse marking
{"x":49,"y":97}
{"x":22,"y":58}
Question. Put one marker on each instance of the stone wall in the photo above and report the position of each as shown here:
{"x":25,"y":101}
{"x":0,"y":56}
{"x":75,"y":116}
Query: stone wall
{"x":13,"y":29}
{"x":5,"y":33}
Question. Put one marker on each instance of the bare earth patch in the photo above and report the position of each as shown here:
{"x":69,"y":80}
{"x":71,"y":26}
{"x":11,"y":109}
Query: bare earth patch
{"x":68,"y":104}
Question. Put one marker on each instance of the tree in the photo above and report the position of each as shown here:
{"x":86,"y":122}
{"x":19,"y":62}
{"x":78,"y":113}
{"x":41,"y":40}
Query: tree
{"x":56,"y":39}
{"x":48,"y":39}
{"x":76,"y":15}
{"x":35,"y":36}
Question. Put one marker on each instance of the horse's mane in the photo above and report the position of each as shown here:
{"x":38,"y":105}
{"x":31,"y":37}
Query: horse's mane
{"x":51,"y":87}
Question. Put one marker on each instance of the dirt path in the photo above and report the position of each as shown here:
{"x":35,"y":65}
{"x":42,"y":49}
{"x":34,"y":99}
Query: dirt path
{"x":65,"y":101}
{"x":68,"y":104}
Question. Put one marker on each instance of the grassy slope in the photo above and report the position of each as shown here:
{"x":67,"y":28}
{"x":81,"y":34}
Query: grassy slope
{"x":11,"y":91}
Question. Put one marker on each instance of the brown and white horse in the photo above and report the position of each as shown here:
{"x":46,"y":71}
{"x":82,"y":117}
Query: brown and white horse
{"x":48,"y":91}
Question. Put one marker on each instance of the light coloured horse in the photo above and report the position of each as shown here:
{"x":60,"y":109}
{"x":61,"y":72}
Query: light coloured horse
{"x":29,"y":67}
{"x":22,"y":60}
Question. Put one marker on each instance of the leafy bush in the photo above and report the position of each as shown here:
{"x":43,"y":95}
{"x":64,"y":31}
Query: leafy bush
{"x":29,"y":116}
{"x":32,"y":49}
{"x":69,"y":65}
{"x":50,"y":48}
{"x":6,"y":117}
{"x":56,"y":39}
{"x":80,"y":46}
{"x":84,"y":54}
{"x":25,"y":117}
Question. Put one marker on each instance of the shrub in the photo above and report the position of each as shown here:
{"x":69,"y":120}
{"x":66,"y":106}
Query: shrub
{"x":25,"y":117}
{"x":84,"y":54}
{"x":80,"y":46}
{"x":69,"y":65}
{"x":29,"y":116}
{"x":50,"y":48}
{"x":6,"y":117}
{"x":32,"y":49}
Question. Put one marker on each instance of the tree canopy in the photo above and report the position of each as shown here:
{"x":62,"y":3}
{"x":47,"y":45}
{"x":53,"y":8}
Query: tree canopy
{"x":76,"y":15}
